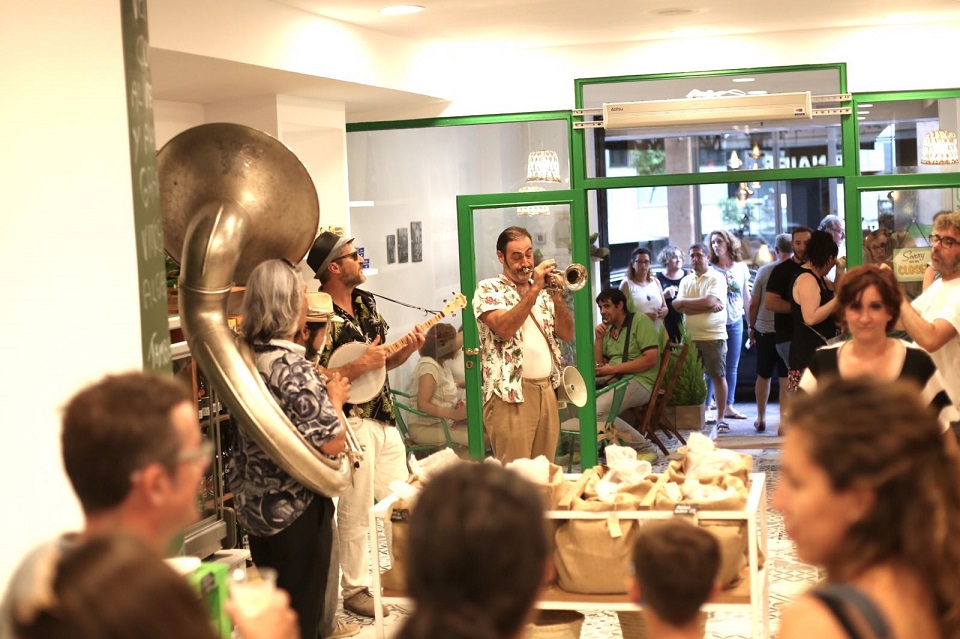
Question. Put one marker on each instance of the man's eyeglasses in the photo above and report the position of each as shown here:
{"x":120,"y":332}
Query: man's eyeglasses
{"x":203,"y":452}
{"x":353,"y":256}
{"x":946,"y":242}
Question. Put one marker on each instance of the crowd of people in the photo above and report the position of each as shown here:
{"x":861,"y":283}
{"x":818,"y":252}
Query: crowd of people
{"x":870,"y":486}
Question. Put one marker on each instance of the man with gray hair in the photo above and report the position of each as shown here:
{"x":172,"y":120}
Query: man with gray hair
{"x":762,"y":333}
{"x":933,"y":319}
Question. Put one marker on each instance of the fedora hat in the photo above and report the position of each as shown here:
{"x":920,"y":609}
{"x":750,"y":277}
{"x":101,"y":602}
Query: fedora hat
{"x":324,"y":251}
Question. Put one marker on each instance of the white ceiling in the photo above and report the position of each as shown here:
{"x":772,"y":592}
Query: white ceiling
{"x":527,"y":23}
{"x":543,"y":23}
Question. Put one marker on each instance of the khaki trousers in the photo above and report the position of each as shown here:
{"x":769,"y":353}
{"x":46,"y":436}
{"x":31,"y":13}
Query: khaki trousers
{"x":528,"y":429}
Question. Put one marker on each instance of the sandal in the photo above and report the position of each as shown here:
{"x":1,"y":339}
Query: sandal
{"x":723,"y":427}
{"x":733,"y":413}
{"x":760,"y":425}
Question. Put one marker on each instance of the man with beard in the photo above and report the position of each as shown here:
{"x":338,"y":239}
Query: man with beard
{"x":779,"y":291}
{"x":339,"y":268}
{"x":520,"y":323}
{"x":933,"y":319}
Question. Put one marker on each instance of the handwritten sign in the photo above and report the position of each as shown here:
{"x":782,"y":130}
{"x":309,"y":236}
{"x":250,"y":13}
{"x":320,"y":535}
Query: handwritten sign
{"x":151,"y":265}
{"x":909,"y":264}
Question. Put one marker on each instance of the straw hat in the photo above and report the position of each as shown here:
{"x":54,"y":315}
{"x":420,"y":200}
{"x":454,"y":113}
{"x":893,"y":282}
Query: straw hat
{"x":320,"y":308}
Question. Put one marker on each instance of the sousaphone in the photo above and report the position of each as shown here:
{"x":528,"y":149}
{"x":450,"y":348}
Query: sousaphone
{"x":232,"y":197}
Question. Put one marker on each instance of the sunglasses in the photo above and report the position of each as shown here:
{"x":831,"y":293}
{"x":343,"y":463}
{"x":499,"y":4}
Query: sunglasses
{"x":353,"y":256}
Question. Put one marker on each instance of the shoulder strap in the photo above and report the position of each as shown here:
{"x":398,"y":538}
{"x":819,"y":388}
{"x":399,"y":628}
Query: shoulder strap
{"x":626,"y":342}
{"x":842,"y":600}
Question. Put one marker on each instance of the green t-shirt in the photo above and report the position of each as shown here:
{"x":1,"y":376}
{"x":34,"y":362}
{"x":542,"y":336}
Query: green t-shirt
{"x":643,"y":335}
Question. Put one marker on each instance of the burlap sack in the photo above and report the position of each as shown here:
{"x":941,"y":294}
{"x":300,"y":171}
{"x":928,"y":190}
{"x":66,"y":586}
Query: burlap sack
{"x":593,"y":556}
{"x":395,"y":577}
{"x":731,"y":534}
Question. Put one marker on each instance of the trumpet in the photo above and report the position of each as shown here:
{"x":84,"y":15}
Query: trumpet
{"x":353,"y":447}
{"x":572,"y":278}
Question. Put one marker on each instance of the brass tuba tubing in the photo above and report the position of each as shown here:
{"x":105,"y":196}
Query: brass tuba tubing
{"x":231,"y":197}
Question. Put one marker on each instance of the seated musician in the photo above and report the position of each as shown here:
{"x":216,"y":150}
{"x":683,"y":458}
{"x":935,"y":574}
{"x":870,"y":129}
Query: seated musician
{"x":626,"y":344}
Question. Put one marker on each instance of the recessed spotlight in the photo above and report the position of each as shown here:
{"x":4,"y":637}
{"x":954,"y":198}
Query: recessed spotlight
{"x":401,"y":9}
{"x":744,"y":79}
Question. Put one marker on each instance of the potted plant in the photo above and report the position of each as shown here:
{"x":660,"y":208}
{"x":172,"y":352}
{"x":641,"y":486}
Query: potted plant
{"x":687,"y":406}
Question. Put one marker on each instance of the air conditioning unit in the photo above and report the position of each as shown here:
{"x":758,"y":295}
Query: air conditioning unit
{"x":710,"y":110}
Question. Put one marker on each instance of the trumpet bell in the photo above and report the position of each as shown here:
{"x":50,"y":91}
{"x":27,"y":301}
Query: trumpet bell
{"x":573,"y":278}
{"x":573,"y":388}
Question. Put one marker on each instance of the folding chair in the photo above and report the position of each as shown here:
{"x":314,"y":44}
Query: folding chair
{"x":651,"y":414}
{"x":403,"y":408}
{"x":605,"y":432}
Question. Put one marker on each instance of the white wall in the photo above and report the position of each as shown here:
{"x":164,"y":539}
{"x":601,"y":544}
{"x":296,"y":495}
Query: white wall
{"x":67,"y":251}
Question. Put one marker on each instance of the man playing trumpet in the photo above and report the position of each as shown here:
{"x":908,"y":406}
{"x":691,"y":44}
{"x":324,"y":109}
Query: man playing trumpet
{"x":521,"y":321}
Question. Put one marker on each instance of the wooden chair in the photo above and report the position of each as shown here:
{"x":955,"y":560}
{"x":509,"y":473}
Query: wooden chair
{"x":605,"y":432}
{"x":402,"y":403}
{"x":651,"y":415}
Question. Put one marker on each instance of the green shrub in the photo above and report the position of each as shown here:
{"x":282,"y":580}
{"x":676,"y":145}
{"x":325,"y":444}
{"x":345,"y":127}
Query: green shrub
{"x":691,"y":387}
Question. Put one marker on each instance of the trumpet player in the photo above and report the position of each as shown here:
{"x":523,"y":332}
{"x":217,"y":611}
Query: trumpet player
{"x":521,"y":322}
{"x":289,"y":526}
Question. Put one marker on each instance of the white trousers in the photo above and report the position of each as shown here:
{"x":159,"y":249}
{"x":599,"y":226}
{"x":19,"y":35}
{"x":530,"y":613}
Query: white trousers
{"x":384,"y":461}
{"x":635,"y":395}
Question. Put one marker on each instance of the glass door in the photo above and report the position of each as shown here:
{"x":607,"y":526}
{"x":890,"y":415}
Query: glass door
{"x":557,"y":223}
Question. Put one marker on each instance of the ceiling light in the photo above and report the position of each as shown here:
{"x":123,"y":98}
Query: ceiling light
{"x":940,"y":147}
{"x":744,"y":79}
{"x":536,"y":209}
{"x":401,"y":9}
{"x":756,"y":93}
{"x":864,"y":106}
{"x":862,"y":112}
{"x":734,"y":162}
{"x":543,"y":166}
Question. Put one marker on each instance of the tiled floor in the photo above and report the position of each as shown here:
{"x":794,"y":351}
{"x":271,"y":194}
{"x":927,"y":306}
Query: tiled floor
{"x":788,"y":576}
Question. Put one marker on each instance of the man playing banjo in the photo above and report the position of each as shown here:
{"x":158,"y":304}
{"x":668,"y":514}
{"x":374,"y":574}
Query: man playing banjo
{"x":338,"y":266}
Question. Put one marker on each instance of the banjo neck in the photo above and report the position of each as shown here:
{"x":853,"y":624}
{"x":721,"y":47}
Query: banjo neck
{"x":394,"y":347}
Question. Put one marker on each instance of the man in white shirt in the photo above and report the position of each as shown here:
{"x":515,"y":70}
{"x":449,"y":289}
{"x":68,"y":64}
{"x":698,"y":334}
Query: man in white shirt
{"x":933,"y":319}
{"x":701,"y":299}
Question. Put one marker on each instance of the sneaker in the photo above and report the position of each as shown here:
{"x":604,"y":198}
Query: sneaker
{"x":648,"y":457}
{"x":344,"y":630}
{"x":361,"y":603}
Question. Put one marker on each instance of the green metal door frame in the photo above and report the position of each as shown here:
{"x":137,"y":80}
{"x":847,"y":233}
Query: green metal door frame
{"x":582,"y":302}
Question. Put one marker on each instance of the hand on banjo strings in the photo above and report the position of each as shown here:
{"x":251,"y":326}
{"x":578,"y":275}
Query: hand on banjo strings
{"x":375,"y":356}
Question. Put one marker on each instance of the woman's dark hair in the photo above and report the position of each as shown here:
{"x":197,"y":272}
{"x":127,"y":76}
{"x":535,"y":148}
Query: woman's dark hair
{"x":632,"y":270}
{"x":859,"y":279}
{"x":439,"y":342}
{"x":878,"y":435}
{"x":821,"y":248}
{"x":478,"y":547}
{"x":113,"y":587}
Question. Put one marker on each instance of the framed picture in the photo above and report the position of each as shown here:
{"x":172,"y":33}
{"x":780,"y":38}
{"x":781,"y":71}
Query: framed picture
{"x":391,"y":249}
{"x":402,"y":247}
{"x":416,"y":241}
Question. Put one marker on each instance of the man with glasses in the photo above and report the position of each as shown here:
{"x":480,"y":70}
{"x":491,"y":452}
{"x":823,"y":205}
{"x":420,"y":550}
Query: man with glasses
{"x":133,"y":452}
{"x":933,"y":319}
{"x":339,"y":268}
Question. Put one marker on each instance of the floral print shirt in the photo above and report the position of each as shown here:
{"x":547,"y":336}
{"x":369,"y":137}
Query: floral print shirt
{"x":268,"y":498}
{"x":363,"y":325}
{"x":502,"y":360}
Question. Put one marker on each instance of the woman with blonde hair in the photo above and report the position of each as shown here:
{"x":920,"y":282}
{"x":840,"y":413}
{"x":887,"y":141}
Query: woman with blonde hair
{"x":869,"y":492}
{"x":642,"y":288}
{"x":726,"y":256}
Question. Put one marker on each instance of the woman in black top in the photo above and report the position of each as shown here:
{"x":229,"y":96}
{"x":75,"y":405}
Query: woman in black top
{"x":671,"y":259}
{"x":813,"y":305}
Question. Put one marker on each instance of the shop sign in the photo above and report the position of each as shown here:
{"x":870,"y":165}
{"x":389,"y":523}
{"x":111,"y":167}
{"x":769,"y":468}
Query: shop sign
{"x":909,"y":264}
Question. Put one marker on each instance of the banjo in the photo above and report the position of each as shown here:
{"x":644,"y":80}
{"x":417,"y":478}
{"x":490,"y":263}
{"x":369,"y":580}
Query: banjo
{"x":366,"y":386}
